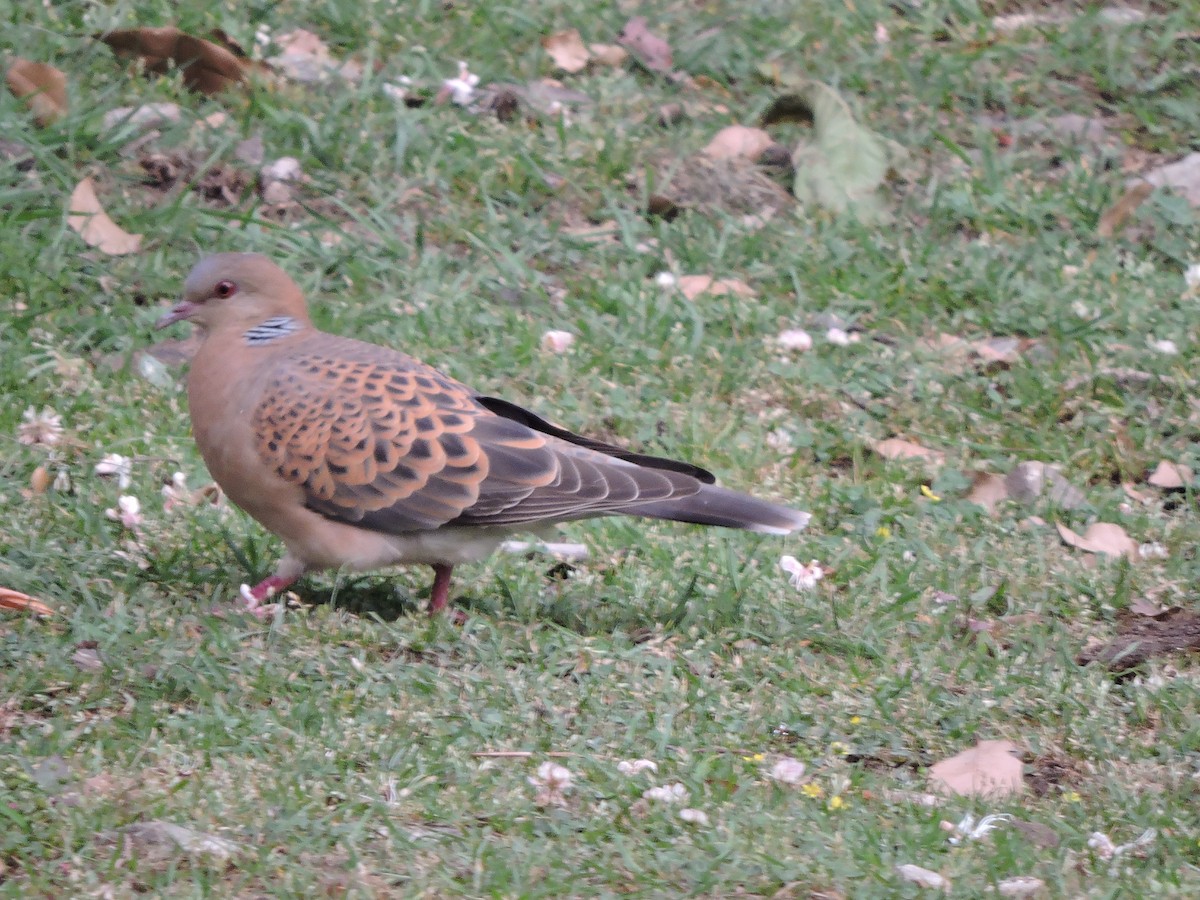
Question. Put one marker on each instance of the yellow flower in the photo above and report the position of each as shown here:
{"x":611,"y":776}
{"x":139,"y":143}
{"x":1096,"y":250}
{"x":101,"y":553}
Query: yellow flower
{"x":883,"y":531}
{"x":927,"y":491}
{"x":838,"y":748}
{"x":855,"y":720}
{"x":1072,"y":796}
{"x":836,"y":803}
{"x":757,"y":757}
{"x":812,"y":790}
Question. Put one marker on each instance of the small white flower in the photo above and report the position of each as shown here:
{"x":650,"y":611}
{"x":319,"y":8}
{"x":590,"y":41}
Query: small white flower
{"x":788,"y":770}
{"x":1166,"y":347}
{"x":802,"y":577}
{"x":794,"y":339}
{"x":665,"y":280}
{"x":43,"y":427}
{"x":693,"y":816}
{"x":262,"y":37}
{"x":668,"y":793}
{"x":128,"y":512}
{"x":1082,"y":310}
{"x":840,"y":337}
{"x":1152,"y":550}
{"x":557,"y":341}
{"x":970,"y":830}
{"x":633,"y":767}
{"x":908,"y":556}
{"x":881,"y":33}
{"x":116,"y":464}
{"x":462,"y":88}
{"x":62,"y":481}
{"x":1191,"y":276}
{"x":1069,"y":271}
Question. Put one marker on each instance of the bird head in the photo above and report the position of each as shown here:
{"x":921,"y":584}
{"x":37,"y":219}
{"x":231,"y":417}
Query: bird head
{"x":236,"y":290}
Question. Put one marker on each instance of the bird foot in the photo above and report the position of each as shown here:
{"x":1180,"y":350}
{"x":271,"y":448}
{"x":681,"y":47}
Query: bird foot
{"x":253,"y":597}
{"x":255,"y":606}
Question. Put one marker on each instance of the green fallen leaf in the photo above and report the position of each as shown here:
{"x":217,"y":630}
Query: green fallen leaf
{"x":844,"y":166}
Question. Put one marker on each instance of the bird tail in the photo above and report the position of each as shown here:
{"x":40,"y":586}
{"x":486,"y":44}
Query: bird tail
{"x":713,"y":505}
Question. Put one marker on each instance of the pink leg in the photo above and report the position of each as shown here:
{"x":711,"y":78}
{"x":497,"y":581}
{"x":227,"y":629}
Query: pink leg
{"x":440,"y":594}
{"x":253,"y":597}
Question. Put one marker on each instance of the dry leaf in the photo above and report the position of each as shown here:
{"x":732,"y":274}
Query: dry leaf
{"x":738,"y":142}
{"x":608,"y":54}
{"x":305,"y":58}
{"x":87,"y":218}
{"x":42,"y":86}
{"x":1182,"y":176}
{"x":1171,"y":476}
{"x":649,"y":49}
{"x":1101,"y":537}
{"x":1133,"y":493}
{"x":988,"y":490}
{"x":922,"y":877}
{"x":18,"y":602}
{"x":39,"y":481}
{"x":692,"y":286}
{"x":207,"y":67}
{"x":1144,"y":606}
{"x":1020,"y":886}
{"x":989,"y":769}
{"x":1028,"y":480}
{"x":1113,"y":218}
{"x":896,"y":448}
{"x":567,"y":50}
{"x":159,"y":834}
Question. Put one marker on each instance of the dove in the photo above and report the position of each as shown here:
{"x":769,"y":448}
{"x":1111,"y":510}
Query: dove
{"x":360,"y":457}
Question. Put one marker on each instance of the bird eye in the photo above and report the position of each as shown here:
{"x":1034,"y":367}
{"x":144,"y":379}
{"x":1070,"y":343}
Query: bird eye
{"x":226,"y":289}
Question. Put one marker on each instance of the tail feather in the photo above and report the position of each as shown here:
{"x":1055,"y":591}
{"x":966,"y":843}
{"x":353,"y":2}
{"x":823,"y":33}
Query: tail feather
{"x":713,"y":505}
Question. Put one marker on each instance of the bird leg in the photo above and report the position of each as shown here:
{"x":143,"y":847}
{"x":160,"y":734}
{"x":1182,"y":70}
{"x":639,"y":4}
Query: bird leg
{"x":253,"y":597}
{"x":440,"y":593}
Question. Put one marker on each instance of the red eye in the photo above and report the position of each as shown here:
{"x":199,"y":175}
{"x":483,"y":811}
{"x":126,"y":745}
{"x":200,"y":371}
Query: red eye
{"x":226,"y":289}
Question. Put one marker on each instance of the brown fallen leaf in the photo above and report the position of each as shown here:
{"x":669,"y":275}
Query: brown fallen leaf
{"x":897,"y":448}
{"x":305,"y":58}
{"x":738,"y":142}
{"x":989,"y":769}
{"x":207,"y":67}
{"x":1101,"y":537}
{"x":1114,"y":218}
{"x":18,"y":602}
{"x":567,"y":50}
{"x":650,"y":50}
{"x":1144,"y":606}
{"x":1132,"y":492}
{"x":41,"y":85}
{"x":39,"y":481}
{"x":1171,"y":476}
{"x":608,"y":54}
{"x":988,"y":490}
{"x":89,"y":220}
{"x":692,"y":286}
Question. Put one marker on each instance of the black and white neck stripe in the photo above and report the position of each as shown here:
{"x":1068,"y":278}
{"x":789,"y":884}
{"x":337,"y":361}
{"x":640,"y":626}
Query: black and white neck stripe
{"x":271,"y":330}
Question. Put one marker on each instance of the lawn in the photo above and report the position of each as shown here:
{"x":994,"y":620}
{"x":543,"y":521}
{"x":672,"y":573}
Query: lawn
{"x":1027,"y":341}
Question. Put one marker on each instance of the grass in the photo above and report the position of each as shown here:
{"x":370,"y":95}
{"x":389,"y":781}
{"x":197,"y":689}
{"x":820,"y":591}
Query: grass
{"x":336,"y":746}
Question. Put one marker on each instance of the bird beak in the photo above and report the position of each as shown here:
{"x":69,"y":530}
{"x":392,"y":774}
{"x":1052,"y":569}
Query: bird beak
{"x":180,"y":311}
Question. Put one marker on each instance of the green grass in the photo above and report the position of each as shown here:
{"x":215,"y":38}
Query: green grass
{"x":336,"y":745}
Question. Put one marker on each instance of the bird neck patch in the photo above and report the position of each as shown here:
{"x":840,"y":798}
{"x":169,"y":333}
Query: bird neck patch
{"x":271,"y":330}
